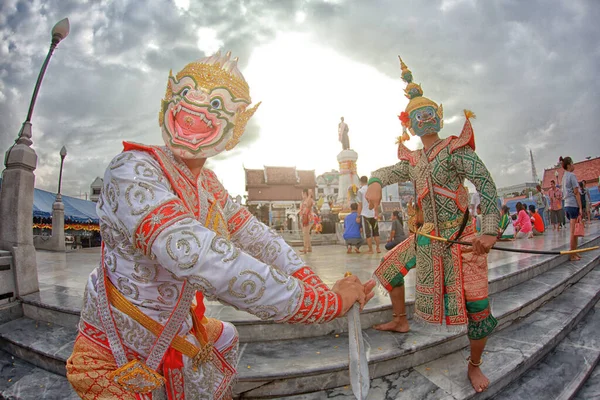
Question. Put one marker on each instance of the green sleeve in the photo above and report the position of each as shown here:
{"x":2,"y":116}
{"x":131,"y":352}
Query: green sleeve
{"x":470,"y":166}
{"x":392,"y":174}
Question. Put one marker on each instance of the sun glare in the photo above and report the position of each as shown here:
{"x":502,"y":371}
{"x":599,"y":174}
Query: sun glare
{"x":305,"y":88}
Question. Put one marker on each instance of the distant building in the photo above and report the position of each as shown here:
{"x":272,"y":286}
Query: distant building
{"x":96,"y":188}
{"x":275,"y":194}
{"x":516,"y":190}
{"x":587,"y":171}
{"x":328,"y":186}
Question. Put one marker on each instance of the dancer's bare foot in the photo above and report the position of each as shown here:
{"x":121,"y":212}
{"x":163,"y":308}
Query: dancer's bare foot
{"x":356,"y":250}
{"x":378,"y":249}
{"x":370,"y":251}
{"x":349,"y":251}
{"x":479,"y":381}
{"x":575,"y":257}
{"x":398,"y":324}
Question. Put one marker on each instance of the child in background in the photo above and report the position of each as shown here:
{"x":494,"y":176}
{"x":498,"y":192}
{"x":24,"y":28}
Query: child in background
{"x":506,"y":229}
{"x":538,"y":222}
{"x":523,"y":223}
{"x":478,"y":219}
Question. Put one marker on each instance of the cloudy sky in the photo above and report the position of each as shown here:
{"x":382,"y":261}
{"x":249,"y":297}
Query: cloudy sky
{"x":528,"y":69}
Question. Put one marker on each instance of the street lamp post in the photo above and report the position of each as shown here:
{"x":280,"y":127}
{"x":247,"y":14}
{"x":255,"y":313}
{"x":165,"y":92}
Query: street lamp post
{"x":63,"y":154}
{"x":57,"y":242}
{"x":16,"y":195}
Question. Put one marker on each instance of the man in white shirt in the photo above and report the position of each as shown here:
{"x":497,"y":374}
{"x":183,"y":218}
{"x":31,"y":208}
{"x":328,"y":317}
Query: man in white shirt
{"x":369,"y":220}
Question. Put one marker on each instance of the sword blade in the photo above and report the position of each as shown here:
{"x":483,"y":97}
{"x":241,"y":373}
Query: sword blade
{"x":359,"y":367}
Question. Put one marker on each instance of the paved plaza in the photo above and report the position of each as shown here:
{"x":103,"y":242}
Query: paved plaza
{"x":63,"y":276}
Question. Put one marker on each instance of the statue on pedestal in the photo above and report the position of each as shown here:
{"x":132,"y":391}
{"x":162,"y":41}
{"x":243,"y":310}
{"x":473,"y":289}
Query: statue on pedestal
{"x":343,"y":134}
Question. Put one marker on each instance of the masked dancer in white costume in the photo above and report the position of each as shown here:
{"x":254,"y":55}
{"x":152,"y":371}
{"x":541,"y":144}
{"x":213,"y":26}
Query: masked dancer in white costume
{"x":172,"y":235}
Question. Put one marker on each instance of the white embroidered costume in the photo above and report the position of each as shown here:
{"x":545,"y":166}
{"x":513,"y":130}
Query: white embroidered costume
{"x":170,"y":239}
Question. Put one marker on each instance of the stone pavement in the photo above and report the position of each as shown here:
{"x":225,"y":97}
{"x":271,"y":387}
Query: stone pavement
{"x":63,"y":276}
{"x":540,"y":301}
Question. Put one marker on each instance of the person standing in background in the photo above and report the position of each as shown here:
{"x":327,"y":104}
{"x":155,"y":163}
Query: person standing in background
{"x":540,"y":202}
{"x":306,"y":220}
{"x":572,"y":197}
{"x":369,"y":220}
{"x":585,"y":202}
{"x":555,"y":195}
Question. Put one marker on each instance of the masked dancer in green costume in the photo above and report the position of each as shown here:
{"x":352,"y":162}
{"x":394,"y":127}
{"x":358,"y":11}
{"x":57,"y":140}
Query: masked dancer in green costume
{"x":452,"y":280}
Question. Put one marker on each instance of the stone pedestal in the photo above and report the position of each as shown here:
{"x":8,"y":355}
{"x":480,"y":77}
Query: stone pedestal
{"x":56,"y":242}
{"x":348,"y":177}
{"x":16,"y":211}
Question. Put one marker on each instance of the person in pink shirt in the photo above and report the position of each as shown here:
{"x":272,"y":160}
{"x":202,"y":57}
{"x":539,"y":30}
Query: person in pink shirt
{"x":523,"y":223}
{"x":556,"y":210}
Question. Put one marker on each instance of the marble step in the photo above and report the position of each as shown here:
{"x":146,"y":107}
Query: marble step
{"x":321,"y":363}
{"x":20,"y":380}
{"x":290,"y":366}
{"x":510,"y":352}
{"x":62,"y":305}
{"x":560,"y":374}
{"x":591,"y":388}
{"x":516,"y":349}
{"x":43,"y":344}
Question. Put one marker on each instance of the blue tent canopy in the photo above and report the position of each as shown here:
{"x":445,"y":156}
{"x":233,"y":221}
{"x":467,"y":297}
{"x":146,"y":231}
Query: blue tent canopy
{"x":76,"y":210}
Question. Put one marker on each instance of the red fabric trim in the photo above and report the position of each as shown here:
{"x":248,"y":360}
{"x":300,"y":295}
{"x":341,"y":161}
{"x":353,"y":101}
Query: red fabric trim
{"x":98,"y":336}
{"x":459,"y":285}
{"x":317,"y":306}
{"x":156,"y":221}
{"x":479,"y":316}
{"x":173,"y":373}
{"x":466,"y":138}
{"x":212,"y":185}
{"x":308,"y":276}
{"x":404,"y":153}
{"x":439,"y":147}
{"x":238,"y":220}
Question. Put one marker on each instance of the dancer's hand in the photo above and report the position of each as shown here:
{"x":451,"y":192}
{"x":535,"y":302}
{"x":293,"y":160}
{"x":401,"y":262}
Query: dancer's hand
{"x":373,"y":195}
{"x":482,"y":244}
{"x":352,"y":290}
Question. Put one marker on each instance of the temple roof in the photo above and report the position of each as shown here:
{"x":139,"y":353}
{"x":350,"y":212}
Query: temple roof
{"x":280,"y":176}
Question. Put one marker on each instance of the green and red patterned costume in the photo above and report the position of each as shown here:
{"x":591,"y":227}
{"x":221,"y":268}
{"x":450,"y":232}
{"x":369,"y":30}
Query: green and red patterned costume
{"x":452,"y":282}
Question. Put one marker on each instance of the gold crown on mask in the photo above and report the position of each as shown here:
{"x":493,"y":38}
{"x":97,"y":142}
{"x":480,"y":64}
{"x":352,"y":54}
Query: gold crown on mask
{"x":216,"y":71}
{"x":414,"y":92}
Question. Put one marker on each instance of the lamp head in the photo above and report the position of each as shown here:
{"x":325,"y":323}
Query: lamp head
{"x":60,"y":30}
{"x":63,"y":152}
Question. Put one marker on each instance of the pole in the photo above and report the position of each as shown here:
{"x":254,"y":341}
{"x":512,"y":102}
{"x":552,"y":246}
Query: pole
{"x":62,"y":161}
{"x":53,"y":45}
{"x":511,"y":250}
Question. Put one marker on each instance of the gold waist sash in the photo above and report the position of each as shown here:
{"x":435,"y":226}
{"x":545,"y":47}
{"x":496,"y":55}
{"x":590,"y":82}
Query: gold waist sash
{"x":197,"y":355}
